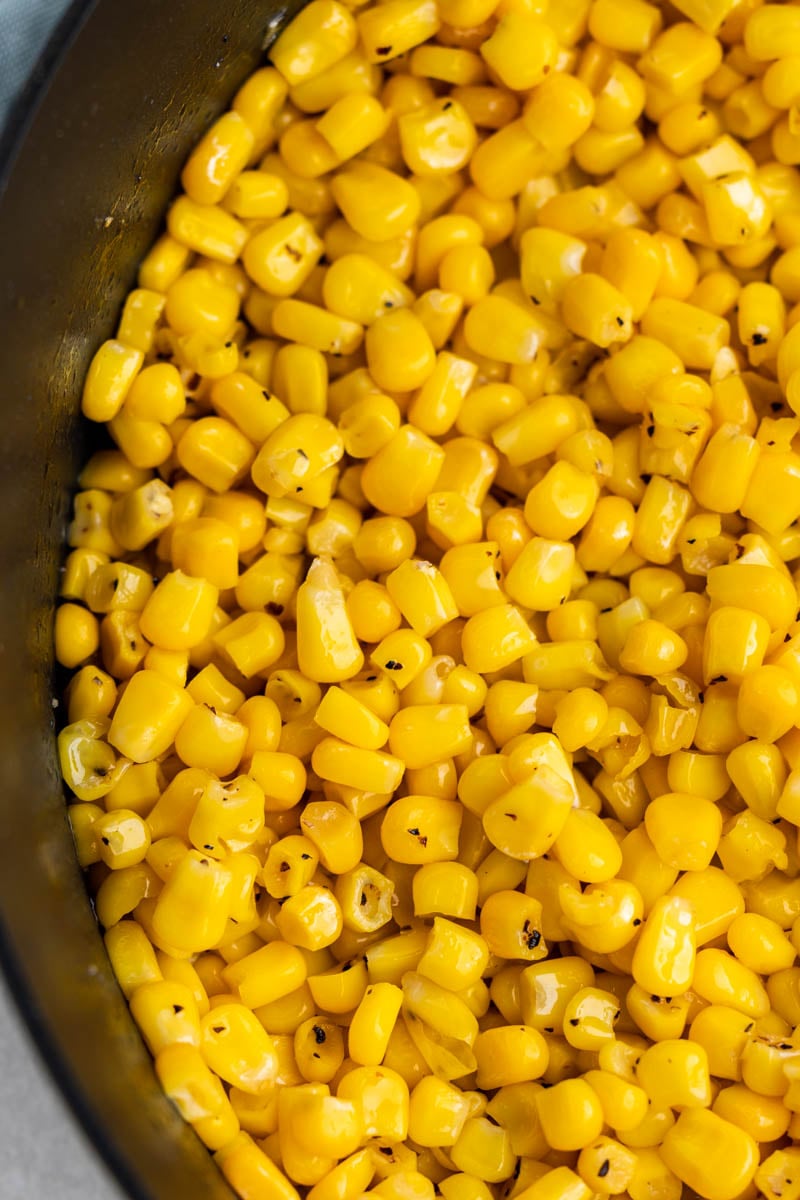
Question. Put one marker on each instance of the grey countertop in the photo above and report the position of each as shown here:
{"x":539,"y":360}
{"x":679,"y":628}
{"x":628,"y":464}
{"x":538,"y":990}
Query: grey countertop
{"x":45,"y":1153}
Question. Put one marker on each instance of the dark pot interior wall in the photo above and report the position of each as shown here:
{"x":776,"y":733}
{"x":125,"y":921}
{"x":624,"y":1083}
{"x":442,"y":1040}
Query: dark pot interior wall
{"x":88,"y":177}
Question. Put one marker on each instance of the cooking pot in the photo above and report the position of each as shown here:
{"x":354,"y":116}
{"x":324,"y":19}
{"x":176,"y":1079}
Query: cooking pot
{"x":88,"y":162}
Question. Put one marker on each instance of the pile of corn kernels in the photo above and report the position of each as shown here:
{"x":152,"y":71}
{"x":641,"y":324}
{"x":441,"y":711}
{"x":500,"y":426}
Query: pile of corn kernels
{"x":434,"y":733}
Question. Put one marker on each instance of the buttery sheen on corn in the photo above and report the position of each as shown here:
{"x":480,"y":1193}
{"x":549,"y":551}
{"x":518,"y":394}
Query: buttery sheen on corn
{"x":433,"y":733}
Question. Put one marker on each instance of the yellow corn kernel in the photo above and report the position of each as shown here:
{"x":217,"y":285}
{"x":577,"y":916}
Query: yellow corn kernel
{"x":111,"y":373}
{"x":438,"y":138}
{"x":421,"y":829}
{"x":314,"y":41}
{"x":281,"y":257}
{"x":570,"y":1114}
{"x":372,"y":1023}
{"x":312,"y":919}
{"x":207,"y":229}
{"x":375,"y":202}
{"x":328,"y":648}
{"x":499,"y":328}
{"x":710,"y":1154}
{"x":664,"y":957}
{"x":558,"y":506}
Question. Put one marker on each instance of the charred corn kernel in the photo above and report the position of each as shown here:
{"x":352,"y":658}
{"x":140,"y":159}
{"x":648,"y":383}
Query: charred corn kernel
{"x":281,"y":257}
{"x":228,"y":817}
{"x":290,"y":864}
{"x":594,"y":309}
{"x":607,"y":1166}
{"x":365,"y":897}
{"x":123,"y":838}
{"x":570,"y":1113}
{"x":664,"y":957}
{"x":421,"y":829}
{"x":318,"y":1049}
{"x":252,"y":409}
{"x":589,"y":1018}
{"x":359,"y":288}
{"x":166,"y":1014}
{"x":511,"y":926}
{"x":109,"y":378}
{"x":402,"y":655}
{"x":658,"y":1017}
{"x":710,"y":1154}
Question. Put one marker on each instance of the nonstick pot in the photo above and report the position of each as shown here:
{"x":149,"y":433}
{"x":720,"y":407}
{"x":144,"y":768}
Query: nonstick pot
{"x":88,"y":163}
